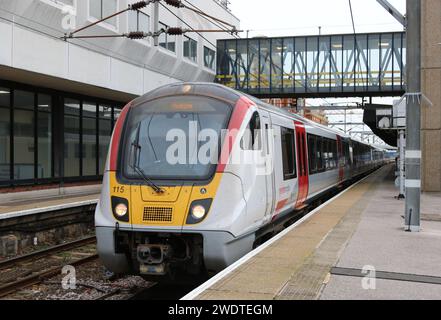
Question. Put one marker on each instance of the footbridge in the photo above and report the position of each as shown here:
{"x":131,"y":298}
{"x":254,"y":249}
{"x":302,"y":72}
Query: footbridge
{"x":345,"y":65}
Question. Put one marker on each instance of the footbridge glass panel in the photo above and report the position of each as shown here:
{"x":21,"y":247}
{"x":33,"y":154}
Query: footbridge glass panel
{"x":340,"y":65}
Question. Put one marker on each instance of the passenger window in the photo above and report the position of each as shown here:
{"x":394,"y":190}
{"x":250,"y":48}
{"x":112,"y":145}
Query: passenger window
{"x":320,"y":154}
{"x":334,"y":154}
{"x":325,"y":154}
{"x":252,"y":139}
{"x":288,"y":153}
{"x":312,"y":148}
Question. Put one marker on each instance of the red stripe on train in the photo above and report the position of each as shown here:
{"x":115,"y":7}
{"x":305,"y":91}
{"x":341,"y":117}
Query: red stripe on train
{"x":237,"y":118}
{"x":280,"y":205}
{"x":114,"y":150}
{"x":302,"y":161}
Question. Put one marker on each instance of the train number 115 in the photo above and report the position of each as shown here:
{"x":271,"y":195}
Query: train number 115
{"x":118,"y":189}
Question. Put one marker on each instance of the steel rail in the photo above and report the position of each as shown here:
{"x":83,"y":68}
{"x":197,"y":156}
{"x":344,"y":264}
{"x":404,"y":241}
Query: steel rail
{"x":46,"y":252}
{"x":40,"y":277}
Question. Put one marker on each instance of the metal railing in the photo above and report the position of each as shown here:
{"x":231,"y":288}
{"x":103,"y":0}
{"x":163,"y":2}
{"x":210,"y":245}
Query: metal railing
{"x":307,"y":66}
{"x":224,"y":3}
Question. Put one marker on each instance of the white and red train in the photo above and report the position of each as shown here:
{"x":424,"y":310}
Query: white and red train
{"x":156,"y":218}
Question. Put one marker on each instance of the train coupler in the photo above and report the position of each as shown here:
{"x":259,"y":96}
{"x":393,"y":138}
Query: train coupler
{"x":152,"y":259}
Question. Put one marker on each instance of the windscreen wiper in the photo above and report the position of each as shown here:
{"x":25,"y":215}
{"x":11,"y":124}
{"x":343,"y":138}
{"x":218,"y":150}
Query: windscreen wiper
{"x":147,"y":180}
{"x":136,"y":167}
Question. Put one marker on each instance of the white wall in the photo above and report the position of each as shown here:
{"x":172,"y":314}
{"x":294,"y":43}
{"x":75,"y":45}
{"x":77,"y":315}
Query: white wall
{"x":29,"y":37}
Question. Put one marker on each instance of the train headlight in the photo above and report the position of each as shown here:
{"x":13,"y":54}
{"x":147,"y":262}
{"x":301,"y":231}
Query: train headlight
{"x":198,"y":211}
{"x":120,"y":209}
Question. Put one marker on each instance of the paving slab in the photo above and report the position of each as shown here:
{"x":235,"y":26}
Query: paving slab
{"x":297,"y":266}
{"x":381,"y":242}
{"x":363,"y":227}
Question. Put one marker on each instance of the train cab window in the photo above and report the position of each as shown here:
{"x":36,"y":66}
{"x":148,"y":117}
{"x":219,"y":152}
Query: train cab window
{"x":288,"y":154}
{"x":252,"y":139}
{"x":157,"y":138}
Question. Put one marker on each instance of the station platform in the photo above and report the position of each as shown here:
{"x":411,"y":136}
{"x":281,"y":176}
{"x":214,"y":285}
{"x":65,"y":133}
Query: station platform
{"x":40,"y":203}
{"x":322,"y":256}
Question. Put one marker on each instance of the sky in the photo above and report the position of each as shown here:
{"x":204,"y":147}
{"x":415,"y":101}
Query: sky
{"x":274,"y":18}
{"x":303,"y":17}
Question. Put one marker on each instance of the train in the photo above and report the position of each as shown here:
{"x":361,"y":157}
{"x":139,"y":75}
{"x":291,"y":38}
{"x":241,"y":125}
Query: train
{"x":199,"y":174}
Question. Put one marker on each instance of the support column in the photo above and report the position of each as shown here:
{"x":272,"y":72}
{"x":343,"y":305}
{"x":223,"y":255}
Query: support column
{"x":402,"y":148}
{"x":413,"y":119}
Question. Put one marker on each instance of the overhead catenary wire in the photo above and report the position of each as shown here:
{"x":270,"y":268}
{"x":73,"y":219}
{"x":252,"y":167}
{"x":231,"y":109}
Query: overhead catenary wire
{"x":217,"y":24}
{"x":352,"y":17}
{"x":180,"y":19}
{"x":90,"y":46}
{"x":135,"y":7}
{"x":209,"y":16}
{"x":180,"y":4}
{"x":355,"y":33}
{"x":140,"y":35}
{"x":310,"y":27}
{"x":137,"y":35}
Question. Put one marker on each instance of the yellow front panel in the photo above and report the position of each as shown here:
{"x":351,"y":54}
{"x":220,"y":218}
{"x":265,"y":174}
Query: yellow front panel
{"x":169,"y":209}
{"x":157,"y":208}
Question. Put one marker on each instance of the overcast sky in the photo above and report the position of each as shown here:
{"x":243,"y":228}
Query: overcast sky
{"x":303,"y":17}
{"x":274,"y":18}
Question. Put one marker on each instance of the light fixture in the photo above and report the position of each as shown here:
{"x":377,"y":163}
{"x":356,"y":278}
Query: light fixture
{"x":4,"y":92}
{"x":337,"y":45}
{"x":198,"y":212}
{"x":384,"y":44}
{"x":43,"y":106}
{"x":121,"y":210}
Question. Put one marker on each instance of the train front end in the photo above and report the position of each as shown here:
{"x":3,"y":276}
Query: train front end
{"x":167,"y":204}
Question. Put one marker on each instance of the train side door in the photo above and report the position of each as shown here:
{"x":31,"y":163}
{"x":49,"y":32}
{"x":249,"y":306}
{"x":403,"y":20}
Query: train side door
{"x":302,"y":164}
{"x":268,"y":142}
{"x":253,"y":169}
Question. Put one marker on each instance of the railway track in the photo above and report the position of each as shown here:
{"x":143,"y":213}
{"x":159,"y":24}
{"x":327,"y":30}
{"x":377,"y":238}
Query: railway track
{"x":34,"y":268}
{"x":39,"y":267}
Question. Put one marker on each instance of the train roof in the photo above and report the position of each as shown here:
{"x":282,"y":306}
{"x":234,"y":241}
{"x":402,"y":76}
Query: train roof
{"x":225,"y":93}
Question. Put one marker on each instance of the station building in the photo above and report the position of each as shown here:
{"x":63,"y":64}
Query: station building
{"x":59,"y":100}
{"x":431,"y":87}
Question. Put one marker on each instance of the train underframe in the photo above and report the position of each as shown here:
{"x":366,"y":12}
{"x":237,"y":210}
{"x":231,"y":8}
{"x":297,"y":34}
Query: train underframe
{"x":162,"y":256}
